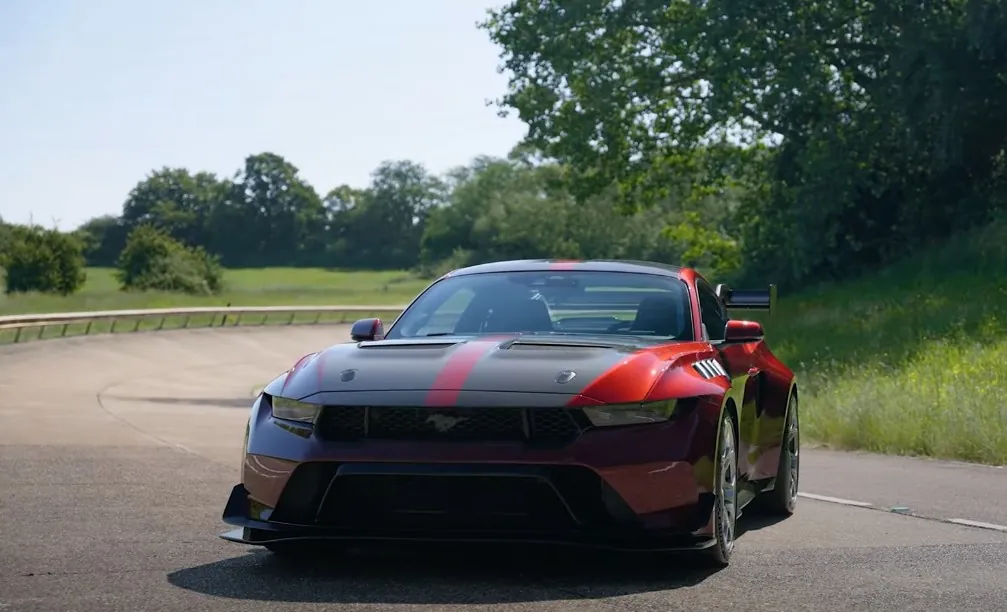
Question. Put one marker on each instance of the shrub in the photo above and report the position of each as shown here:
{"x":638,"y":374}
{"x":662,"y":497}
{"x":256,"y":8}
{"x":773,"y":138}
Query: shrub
{"x":154,"y":261}
{"x":44,"y":260}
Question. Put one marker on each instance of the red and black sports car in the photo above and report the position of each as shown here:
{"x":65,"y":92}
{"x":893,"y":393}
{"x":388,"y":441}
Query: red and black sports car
{"x":603,"y":403}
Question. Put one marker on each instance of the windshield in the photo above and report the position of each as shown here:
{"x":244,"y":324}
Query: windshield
{"x":550,"y":302}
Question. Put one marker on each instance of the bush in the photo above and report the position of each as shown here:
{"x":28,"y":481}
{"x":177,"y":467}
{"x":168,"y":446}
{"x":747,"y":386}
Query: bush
{"x":37,"y":259}
{"x":154,"y":261}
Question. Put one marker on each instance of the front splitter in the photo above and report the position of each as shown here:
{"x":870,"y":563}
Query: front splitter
{"x":258,"y":537}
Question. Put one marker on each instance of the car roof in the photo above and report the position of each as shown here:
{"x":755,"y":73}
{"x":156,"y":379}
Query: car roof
{"x":591,"y":265}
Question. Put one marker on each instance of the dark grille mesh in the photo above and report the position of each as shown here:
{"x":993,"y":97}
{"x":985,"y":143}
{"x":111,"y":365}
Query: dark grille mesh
{"x":342,"y":422}
{"x":458,"y":424}
{"x":548,"y":426}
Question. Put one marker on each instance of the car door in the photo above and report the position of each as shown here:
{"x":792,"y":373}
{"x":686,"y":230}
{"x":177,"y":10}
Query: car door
{"x":739,"y":361}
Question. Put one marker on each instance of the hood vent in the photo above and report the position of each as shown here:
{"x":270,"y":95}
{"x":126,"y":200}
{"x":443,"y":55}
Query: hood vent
{"x":405,"y":345}
{"x":551,"y":344}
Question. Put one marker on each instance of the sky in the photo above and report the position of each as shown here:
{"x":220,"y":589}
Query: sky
{"x":95,"y":94}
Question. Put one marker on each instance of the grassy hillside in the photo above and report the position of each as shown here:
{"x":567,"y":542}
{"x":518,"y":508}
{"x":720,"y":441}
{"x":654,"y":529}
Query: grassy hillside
{"x":912,"y":360}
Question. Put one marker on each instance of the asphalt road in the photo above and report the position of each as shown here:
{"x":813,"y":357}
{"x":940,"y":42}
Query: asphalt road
{"x":117,"y":454}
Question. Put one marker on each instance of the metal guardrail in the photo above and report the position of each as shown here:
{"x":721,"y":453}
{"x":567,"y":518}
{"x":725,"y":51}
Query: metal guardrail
{"x":84,"y":323}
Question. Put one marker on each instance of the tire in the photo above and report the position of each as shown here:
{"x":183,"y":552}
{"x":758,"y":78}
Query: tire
{"x":725,"y":508}
{"x":782,"y":499}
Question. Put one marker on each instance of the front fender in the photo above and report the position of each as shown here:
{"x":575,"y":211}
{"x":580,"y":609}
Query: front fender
{"x":275,"y":387}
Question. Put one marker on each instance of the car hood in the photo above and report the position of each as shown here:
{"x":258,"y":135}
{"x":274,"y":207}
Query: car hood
{"x":511,"y":364}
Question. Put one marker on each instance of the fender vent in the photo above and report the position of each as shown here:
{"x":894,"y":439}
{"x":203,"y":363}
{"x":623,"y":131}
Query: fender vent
{"x":710,"y":368}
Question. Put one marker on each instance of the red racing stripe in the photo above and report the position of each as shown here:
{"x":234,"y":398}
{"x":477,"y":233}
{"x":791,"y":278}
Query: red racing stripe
{"x":448,"y":385}
{"x":564,"y":264}
{"x":295,"y":369}
{"x":320,"y":368}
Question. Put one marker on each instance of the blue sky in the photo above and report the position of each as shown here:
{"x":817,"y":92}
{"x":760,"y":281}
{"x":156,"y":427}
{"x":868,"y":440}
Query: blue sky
{"x":97,"y":93}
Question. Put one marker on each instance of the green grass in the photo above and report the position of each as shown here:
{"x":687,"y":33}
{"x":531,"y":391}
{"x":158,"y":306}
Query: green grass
{"x":911,"y":360}
{"x":243,"y":287}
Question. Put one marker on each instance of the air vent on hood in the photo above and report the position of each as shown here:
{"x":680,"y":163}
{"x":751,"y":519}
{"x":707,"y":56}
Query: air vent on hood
{"x":553,"y":344}
{"x":407,"y":344}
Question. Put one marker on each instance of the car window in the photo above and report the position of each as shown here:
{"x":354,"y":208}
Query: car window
{"x":712,"y":311}
{"x":444,"y":317}
{"x":550,"y":302}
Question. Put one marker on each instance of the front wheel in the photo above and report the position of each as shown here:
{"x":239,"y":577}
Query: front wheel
{"x":782,"y":499}
{"x":725,"y":511}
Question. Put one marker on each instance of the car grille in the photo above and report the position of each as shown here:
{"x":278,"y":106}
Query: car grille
{"x":542,"y":426}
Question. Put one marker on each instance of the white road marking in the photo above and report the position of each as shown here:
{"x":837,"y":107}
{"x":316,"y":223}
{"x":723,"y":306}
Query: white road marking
{"x":978,"y":524}
{"x":836,"y":500}
{"x":900,"y":510}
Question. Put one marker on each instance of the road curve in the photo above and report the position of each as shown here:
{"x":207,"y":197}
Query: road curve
{"x":117,"y":454}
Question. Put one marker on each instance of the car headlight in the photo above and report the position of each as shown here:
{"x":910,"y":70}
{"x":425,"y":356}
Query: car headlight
{"x":293,"y":410}
{"x":633,"y":414}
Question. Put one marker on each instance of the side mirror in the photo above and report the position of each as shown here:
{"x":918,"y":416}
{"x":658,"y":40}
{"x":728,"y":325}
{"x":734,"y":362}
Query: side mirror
{"x":743,"y":331}
{"x":367,"y":329}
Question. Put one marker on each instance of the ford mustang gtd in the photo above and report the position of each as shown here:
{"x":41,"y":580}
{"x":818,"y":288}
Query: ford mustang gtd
{"x":601,"y":403}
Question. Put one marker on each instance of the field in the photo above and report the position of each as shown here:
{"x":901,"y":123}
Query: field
{"x":912,"y":360}
{"x":248,"y":287}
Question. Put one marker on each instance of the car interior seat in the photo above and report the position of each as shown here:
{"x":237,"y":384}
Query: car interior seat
{"x":518,"y":314}
{"x":660,"y":315}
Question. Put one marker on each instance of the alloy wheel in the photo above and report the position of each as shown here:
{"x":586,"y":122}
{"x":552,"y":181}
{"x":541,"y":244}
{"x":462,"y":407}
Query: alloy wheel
{"x":728,"y":486}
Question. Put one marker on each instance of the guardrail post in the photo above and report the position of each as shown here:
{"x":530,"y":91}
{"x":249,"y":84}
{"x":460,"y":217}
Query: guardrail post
{"x":111,"y":329}
{"x":62,"y":332}
{"x":17,"y":335}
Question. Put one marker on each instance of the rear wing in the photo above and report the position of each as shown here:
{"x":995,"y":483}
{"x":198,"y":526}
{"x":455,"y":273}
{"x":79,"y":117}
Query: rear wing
{"x":748,"y":299}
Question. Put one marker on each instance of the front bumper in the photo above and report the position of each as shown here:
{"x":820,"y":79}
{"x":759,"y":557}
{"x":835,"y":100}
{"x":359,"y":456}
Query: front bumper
{"x":456,"y":503}
{"x":624,"y":485}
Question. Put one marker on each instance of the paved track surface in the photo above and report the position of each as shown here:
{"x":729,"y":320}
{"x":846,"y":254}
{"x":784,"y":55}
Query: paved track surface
{"x":117,"y":454}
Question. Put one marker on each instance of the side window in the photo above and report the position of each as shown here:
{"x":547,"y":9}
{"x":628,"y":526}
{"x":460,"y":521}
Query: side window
{"x":713,"y":313}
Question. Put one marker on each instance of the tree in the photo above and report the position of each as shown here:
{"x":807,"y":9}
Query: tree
{"x":103,"y":238}
{"x":509,"y":208}
{"x":39,"y":259}
{"x":153,"y":261}
{"x":176,"y":201}
{"x":854,"y":130}
{"x":269,"y":215}
{"x":386,"y":221}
